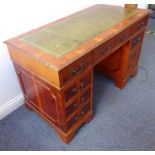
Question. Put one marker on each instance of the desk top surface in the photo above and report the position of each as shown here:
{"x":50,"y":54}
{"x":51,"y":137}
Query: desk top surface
{"x":60,"y":43}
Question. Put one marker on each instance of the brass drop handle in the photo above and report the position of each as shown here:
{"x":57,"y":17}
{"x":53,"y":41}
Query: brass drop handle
{"x":82,"y":85}
{"x":74,"y":90}
{"x":82,"y":113}
{"x":76,"y":118}
{"x":142,"y":24}
{"x":75,"y":72}
{"x":106,"y":50}
{"x":75,"y":105}
{"x":82,"y":99}
{"x":124,"y":37}
{"x":81,"y":67}
{"x":138,"y":39}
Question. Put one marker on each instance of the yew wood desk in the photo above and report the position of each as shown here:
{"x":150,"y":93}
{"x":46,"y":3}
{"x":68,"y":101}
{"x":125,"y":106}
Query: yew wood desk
{"x":55,"y":63}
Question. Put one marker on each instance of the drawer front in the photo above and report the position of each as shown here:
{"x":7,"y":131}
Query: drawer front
{"x":86,"y":96}
{"x":139,"y":25}
{"x":85,"y":81}
{"x":79,"y":115}
{"x":137,"y":40}
{"x":77,"y":86}
{"x":102,"y":51}
{"x":122,"y":37}
{"x":109,"y":46}
{"x":133,"y":59}
{"x":73,"y":120}
{"x":75,"y":69}
{"x":72,"y":107}
{"x":70,"y":92}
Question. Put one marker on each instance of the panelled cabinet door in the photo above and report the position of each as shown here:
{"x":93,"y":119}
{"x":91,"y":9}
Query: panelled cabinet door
{"x":39,"y":94}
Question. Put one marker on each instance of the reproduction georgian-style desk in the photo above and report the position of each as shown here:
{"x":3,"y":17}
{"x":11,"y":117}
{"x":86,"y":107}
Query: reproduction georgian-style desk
{"x":55,"y":63}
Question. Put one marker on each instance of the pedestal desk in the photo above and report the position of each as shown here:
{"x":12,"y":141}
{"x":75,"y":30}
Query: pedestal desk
{"x":55,"y":63}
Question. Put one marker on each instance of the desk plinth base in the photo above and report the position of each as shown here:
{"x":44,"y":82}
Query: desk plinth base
{"x":69,"y":135}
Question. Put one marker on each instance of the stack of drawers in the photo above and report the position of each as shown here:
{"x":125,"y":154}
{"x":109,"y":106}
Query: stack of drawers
{"x":77,"y":97}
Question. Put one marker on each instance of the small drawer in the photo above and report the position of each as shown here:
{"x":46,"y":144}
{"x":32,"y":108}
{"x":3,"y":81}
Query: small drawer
{"x":137,"y":40}
{"x":70,"y":92}
{"x":139,"y":25}
{"x":133,"y":60}
{"x":75,"y":69}
{"x":85,"y":109}
{"x":86,"y":96}
{"x":72,"y":121}
{"x":134,"y":55}
{"x":102,"y":51}
{"x":77,"y":85}
{"x":72,"y":107}
{"x":79,"y":115}
{"x":85,"y":81}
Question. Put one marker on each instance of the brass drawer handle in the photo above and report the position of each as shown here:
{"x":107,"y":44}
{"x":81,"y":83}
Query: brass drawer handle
{"x":82,"y":113}
{"x":75,"y":105}
{"x":82,"y":85}
{"x":76,"y":118}
{"x":82,"y":99}
{"x":142,"y":24}
{"x":81,"y":67}
{"x":106,"y":50}
{"x":124,"y":37}
{"x":75,"y":72}
{"x":136,"y":41}
{"x":74,"y":90}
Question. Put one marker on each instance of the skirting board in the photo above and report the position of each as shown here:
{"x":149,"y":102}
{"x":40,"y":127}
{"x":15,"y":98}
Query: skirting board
{"x":12,"y":105}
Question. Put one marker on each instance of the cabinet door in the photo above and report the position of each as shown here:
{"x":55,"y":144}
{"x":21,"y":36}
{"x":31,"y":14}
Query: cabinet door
{"x":38,"y":94}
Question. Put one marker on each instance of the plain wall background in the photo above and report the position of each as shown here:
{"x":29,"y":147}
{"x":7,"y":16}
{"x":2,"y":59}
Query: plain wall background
{"x":19,"y":16}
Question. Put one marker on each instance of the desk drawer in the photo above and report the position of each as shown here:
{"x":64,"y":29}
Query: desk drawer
{"x":139,"y":25}
{"x":79,"y":102}
{"x":75,"y":69}
{"x":79,"y":115}
{"x":77,"y":86}
{"x":122,"y":37}
{"x":70,"y":92}
{"x":133,"y":59}
{"x":112,"y":44}
{"x":86,"y":96}
{"x":72,"y":107}
{"x":102,"y":51}
{"x":137,"y":40}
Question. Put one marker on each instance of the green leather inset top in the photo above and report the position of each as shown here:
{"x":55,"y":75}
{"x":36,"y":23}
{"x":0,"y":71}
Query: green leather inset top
{"x":66,"y":35}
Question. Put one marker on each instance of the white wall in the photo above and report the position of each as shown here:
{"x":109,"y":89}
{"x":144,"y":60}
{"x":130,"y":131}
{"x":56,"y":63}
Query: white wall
{"x":18,"y":16}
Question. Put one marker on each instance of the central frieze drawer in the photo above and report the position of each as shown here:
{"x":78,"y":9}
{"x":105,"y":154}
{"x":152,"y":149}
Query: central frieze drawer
{"x":102,"y":51}
{"x":112,"y":44}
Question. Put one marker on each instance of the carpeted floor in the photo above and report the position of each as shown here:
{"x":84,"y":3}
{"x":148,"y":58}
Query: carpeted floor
{"x":124,"y":119}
